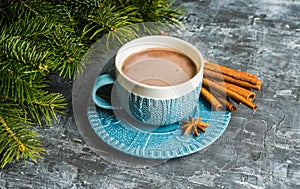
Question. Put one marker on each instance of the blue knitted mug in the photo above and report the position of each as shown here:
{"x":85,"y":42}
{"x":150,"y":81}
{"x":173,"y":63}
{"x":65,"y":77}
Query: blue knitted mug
{"x":157,"y":104}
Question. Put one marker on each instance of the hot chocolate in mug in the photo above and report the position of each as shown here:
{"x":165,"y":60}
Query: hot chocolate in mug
{"x":157,"y":79}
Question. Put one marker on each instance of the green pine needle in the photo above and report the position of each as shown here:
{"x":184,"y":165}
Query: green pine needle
{"x":17,"y":139}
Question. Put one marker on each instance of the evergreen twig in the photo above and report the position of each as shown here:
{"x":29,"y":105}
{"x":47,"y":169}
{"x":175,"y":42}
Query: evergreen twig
{"x":17,"y":139}
{"x":39,"y":37}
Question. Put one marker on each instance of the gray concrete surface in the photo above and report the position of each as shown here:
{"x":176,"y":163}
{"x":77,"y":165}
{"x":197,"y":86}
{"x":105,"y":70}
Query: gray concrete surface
{"x":258,"y":150}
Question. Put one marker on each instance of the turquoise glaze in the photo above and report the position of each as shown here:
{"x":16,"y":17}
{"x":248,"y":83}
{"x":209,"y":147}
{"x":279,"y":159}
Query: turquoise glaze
{"x":161,"y":142}
{"x":158,"y":111}
{"x":148,"y":110}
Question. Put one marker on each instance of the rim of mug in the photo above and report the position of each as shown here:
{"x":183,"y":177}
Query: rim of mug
{"x":200,"y":66}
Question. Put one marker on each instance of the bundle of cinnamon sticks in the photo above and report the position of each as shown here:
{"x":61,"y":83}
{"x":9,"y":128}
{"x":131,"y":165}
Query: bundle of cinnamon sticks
{"x":224,"y":87}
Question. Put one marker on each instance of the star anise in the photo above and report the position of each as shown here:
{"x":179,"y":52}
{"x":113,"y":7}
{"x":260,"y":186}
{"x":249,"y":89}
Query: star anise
{"x":192,"y":125}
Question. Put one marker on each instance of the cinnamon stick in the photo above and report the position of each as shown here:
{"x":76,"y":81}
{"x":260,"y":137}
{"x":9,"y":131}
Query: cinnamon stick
{"x":235,"y":96}
{"x":244,"y":76}
{"x":248,"y":94}
{"x":216,"y":105}
{"x":241,"y":91}
{"x":219,"y":76}
{"x":224,"y":99}
{"x":229,"y":106}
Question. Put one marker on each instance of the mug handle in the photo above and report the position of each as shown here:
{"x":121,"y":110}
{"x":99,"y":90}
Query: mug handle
{"x":102,"y":80}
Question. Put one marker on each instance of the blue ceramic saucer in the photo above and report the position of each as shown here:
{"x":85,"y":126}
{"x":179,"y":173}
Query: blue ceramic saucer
{"x":157,"y":143}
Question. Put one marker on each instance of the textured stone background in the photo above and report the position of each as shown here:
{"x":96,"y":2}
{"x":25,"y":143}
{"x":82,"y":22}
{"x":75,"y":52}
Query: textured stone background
{"x":259,"y":149}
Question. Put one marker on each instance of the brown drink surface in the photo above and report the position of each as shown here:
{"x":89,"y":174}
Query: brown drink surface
{"x":159,"y":67}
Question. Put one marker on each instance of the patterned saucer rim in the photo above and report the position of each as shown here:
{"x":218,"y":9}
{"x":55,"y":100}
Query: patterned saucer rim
{"x":131,"y":140}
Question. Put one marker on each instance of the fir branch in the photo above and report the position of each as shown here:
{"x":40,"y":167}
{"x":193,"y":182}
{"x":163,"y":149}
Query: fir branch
{"x":24,"y":42}
{"x":66,"y":52}
{"x":20,"y":83}
{"x":20,"y":145}
{"x":29,"y":28}
{"x":17,"y":139}
{"x":16,"y":9}
{"x":108,"y":18}
{"x":38,"y":37}
{"x":44,"y":106}
{"x":31,"y":9}
{"x":157,"y":10}
{"x":16,"y":52}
